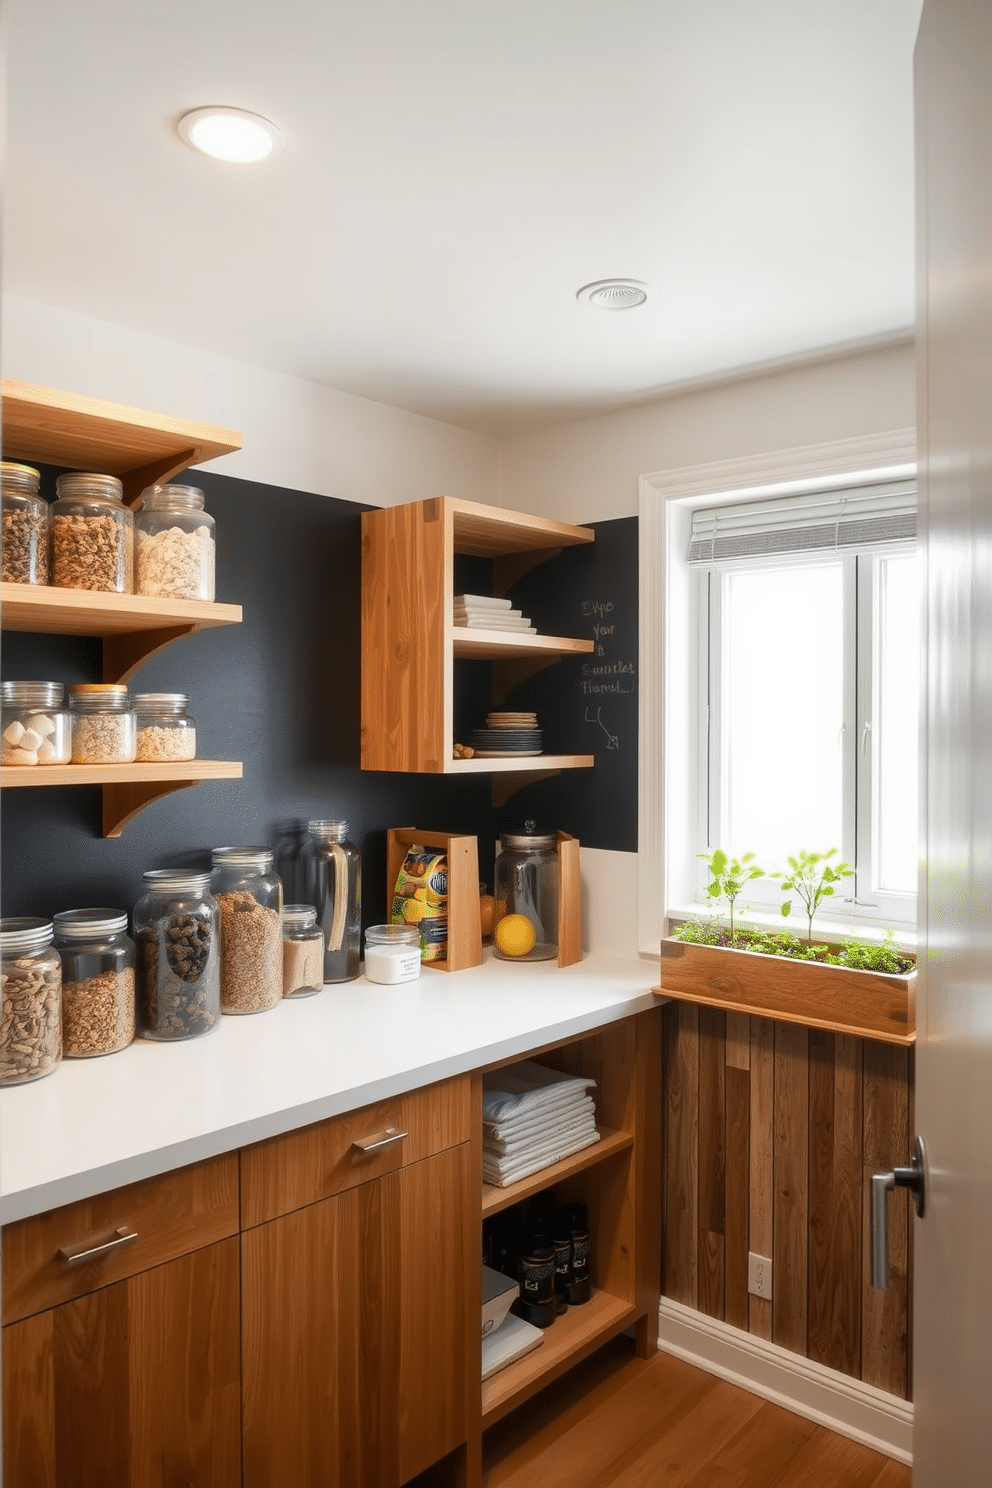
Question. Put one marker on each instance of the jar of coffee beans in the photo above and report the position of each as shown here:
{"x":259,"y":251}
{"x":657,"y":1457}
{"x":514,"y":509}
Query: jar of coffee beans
{"x":31,"y":1017}
{"x":97,"y":981}
{"x":24,"y":551}
{"x":92,"y":534}
{"x":177,"y":931}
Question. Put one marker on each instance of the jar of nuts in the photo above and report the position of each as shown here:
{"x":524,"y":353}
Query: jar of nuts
{"x":250,"y":898}
{"x":35,"y":724}
{"x":165,"y":729}
{"x":24,"y":552}
{"x":174,"y":544}
{"x":176,"y":927}
{"x":104,"y":731}
{"x":31,"y":1027}
{"x":92,"y":534}
{"x":97,"y":981}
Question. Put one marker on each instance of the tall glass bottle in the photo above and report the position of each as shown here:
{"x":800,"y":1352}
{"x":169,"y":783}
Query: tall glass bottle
{"x":333,"y":879}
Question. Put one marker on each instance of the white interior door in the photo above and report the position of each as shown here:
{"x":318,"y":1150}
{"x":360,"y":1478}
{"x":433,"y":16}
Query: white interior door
{"x":952,"y":1286}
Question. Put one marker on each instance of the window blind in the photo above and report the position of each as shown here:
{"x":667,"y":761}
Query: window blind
{"x":852,"y":517}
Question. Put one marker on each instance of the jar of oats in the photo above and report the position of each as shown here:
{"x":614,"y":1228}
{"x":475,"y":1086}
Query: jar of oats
{"x":31,"y":1015}
{"x":174,"y":544}
{"x":92,"y":534}
{"x":35,"y":724}
{"x":24,"y":552}
{"x":97,"y":981}
{"x":103,"y":724}
{"x":165,"y":729}
{"x":249,"y":895}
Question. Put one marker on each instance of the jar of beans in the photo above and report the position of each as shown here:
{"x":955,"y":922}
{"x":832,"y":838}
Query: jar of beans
{"x":176,"y":928}
{"x":97,"y":981}
{"x":31,"y":1017}
{"x":24,"y":552}
{"x":165,"y":729}
{"x":92,"y":534}
{"x":249,"y":894}
{"x":174,"y":544}
{"x":103,"y":724}
{"x":35,"y":724}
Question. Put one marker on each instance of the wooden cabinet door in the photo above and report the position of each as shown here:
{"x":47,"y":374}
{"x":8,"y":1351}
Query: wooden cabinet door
{"x":132,"y":1386}
{"x":353,"y":1332}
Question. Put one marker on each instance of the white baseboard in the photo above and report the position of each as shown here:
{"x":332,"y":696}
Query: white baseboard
{"x":832,"y":1399}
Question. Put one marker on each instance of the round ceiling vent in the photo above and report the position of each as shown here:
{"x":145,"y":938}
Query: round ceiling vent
{"x":614,"y":294}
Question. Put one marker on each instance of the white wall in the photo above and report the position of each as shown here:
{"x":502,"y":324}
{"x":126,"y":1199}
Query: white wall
{"x":297,"y":434}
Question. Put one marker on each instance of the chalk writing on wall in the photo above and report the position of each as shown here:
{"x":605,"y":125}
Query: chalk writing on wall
{"x":608,"y":673}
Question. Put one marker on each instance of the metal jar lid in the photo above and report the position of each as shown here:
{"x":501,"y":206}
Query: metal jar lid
{"x":529,"y":837}
{"x":82,"y":924}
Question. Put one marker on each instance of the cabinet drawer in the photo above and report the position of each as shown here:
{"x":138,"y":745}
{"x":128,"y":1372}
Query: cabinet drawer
{"x":170,"y":1215}
{"x":287,"y":1172}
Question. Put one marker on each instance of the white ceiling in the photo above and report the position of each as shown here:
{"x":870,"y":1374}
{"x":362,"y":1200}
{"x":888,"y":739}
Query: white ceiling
{"x":455,"y":170}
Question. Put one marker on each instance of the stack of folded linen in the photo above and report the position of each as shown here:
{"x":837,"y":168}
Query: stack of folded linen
{"x":480,"y":612}
{"x":533,"y":1117}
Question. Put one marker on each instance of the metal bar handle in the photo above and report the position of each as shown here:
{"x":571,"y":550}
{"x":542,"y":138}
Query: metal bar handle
{"x":379,"y":1140}
{"x":122,"y":1236}
{"x":882,"y":1185}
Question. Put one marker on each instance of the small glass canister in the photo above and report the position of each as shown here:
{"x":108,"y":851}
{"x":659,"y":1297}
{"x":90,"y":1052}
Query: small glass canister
{"x":392,"y":953}
{"x":35,"y":724}
{"x":24,"y":553}
{"x":302,"y":951}
{"x":97,"y":981}
{"x":165,"y":730}
{"x":92,"y":534}
{"x":31,"y":1030}
{"x":333,"y":878}
{"x":177,"y":929}
{"x":174,"y":544}
{"x":249,"y":895}
{"x":104,"y":731}
{"x":526,"y":926}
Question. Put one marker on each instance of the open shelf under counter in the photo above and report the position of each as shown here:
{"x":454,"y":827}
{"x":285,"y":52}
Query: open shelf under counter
{"x":569,"y":1339}
{"x":610,"y":1142}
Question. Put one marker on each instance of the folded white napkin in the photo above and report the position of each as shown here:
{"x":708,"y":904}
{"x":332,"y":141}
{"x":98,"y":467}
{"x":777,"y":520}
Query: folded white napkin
{"x":572,"y":1103}
{"x":483,"y":602}
{"x":499,"y":1139}
{"x":527,"y":1086}
{"x":501,"y":1175}
{"x":556,"y":1133}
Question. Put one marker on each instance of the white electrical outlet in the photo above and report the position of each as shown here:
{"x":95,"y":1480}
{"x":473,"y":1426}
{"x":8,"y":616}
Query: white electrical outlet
{"x":759,"y":1274}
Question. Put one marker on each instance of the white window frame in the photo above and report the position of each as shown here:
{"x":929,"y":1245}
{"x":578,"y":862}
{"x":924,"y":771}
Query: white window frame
{"x":668,"y":782}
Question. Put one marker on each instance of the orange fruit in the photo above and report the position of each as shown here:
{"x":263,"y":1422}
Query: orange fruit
{"x":515,"y":935}
{"x":487,"y":914}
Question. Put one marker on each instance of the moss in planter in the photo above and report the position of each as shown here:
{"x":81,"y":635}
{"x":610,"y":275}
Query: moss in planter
{"x":883,"y":957}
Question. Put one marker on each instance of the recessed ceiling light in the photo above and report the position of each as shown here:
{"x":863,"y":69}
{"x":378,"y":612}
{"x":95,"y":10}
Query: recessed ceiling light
{"x":230,"y":134}
{"x":614,"y":294}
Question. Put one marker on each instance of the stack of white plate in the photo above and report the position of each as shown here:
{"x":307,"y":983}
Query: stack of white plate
{"x":481,"y":612}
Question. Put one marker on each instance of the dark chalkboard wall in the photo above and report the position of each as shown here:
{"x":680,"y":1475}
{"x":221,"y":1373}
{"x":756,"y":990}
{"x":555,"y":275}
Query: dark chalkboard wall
{"x":280,"y":692}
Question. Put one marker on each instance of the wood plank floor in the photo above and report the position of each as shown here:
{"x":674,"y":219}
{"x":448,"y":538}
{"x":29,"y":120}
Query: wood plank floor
{"x":622,"y":1422}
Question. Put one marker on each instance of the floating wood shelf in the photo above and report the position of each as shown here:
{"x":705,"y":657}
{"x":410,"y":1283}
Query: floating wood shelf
{"x":495,"y":645}
{"x":126,"y":788}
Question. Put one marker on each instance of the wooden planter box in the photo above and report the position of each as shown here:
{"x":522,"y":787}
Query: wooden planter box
{"x":834,"y":997}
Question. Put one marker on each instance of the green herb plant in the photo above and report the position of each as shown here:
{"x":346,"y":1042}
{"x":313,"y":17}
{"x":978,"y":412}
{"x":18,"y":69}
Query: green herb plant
{"x":812,"y":877}
{"x":728,"y":877}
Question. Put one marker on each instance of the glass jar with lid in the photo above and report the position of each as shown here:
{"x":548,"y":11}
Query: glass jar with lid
{"x":97,"y":981}
{"x":92,"y":534}
{"x":165,"y":730}
{"x":526,"y":926}
{"x":35,"y":726}
{"x":302,"y":951}
{"x":249,"y":895}
{"x":103,"y":724}
{"x":174,"y":544}
{"x":333,"y":878}
{"x":177,"y":930}
{"x":31,"y":1030}
{"x":24,"y":552}
{"x":392,"y":953}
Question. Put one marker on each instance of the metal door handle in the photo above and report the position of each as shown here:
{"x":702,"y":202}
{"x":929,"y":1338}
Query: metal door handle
{"x":915,"y":1179}
{"x":378,"y":1140}
{"x":122,"y":1236}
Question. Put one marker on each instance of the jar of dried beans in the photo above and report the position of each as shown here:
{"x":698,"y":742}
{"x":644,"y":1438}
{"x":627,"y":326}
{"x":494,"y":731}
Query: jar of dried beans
{"x":97,"y":981}
{"x":103,"y":724}
{"x":249,"y":895}
{"x":24,"y":552}
{"x":177,"y":930}
{"x":35,"y":724}
{"x":92,"y":534}
{"x":174,"y":544}
{"x":165,"y":729}
{"x":31,"y":1027}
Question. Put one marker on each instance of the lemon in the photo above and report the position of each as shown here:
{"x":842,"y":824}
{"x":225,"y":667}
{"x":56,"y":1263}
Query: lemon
{"x":515,"y":935}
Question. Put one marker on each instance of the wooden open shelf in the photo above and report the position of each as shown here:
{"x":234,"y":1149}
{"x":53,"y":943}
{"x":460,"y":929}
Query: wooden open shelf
{"x":126,"y":788}
{"x":610,"y":1142}
{"x":496,"y":645}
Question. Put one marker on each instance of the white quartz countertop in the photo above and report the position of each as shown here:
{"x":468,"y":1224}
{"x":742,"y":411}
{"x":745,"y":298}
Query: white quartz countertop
{"x":96,"y":1124}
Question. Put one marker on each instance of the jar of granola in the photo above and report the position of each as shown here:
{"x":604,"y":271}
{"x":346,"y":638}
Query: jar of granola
{"x":97,"y":981}
{"x":165,"y":729}
{"x":174,"y":544}
{"x":92,"y":534}
{"x":31,"y":1027}
{"x":249,"y":895}
{"x":24,"y":552}
{"x":103,"y":724}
